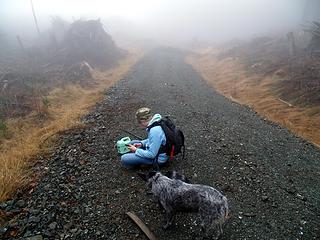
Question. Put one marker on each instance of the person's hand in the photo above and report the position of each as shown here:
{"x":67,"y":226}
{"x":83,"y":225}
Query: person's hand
{"x":137,"y":145}
{"x":132,"y":148}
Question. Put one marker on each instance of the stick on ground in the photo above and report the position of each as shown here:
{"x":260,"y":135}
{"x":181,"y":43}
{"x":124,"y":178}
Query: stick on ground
{"x":142,"y":226}
{"x":289,"y":104}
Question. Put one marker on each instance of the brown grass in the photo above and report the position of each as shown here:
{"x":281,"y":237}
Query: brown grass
{"x":230,"y":78}
{"x":67,"y":105}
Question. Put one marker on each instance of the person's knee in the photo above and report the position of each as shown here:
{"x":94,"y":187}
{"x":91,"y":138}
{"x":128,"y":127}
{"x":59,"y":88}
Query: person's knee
{"x":125,"y":159}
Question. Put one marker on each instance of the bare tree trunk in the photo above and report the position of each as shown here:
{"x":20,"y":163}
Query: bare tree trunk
{"x":35,"y":18}
{"x":293,"y":43}
{"x":20,"y":43}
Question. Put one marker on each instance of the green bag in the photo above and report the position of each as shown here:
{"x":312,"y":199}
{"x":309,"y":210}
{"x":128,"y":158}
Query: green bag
{"x":122,"y":145}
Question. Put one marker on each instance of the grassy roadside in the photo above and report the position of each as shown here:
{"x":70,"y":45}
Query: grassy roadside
{"x":28,"y":135}
{"x":229,"y":77}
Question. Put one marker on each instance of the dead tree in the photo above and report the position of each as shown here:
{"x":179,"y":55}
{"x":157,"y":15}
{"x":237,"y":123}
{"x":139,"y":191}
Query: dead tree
{"x":291,"y":38}
{"x":314,"y":44}
{"x":35,"y":18}
{"x":20,"y":43}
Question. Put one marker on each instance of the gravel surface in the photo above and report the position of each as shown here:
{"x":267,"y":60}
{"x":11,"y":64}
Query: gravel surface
{"x":270,"y":176}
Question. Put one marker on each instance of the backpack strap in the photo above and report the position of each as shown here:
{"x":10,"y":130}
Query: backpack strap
{"x":162,"y":148}
{"x":171,"y":153}
{"x":154,"y":124}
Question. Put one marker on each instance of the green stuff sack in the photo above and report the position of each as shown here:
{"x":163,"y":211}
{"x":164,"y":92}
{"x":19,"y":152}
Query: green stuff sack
{"x":122,"y":145}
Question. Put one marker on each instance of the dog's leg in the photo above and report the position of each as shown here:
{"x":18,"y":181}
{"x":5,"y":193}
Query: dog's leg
{"x":169,"y":219}
{"x":205,"y":223}
{"x":160,"y":205}
{"x":216,"y":227}
{"x":203,"y":229}
{"x":205,"y":232}
{"x":220,"y":228}
{"x":169,"y":215}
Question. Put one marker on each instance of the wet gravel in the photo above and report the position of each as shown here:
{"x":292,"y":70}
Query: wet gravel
{"x":270,"y":176}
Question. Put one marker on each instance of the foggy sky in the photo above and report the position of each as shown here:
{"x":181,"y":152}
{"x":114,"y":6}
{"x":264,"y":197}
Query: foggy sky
{"x":162,"y":20}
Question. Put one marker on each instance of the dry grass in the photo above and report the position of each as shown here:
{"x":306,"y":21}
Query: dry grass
{"x":67,"y":105}
{"x":229,"y":77}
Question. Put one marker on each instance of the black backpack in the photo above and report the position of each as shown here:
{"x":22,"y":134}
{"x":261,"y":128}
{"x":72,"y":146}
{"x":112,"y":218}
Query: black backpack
{"x":174,"y":138}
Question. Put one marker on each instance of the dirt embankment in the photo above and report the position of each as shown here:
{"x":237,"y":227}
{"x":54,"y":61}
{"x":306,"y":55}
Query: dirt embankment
{"x":46,"y":88}
{"x":264,"y":91}
{"x":32,"y":135}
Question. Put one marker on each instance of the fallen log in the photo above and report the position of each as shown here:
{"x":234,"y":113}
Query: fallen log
{"x":142,"y":226}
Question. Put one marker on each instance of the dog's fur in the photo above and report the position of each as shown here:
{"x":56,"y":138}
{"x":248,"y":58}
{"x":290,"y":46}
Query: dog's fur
{"x":175,"y":195}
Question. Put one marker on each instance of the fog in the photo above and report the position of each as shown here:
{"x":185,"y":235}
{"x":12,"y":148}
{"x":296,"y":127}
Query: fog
{"x":173,"y":22}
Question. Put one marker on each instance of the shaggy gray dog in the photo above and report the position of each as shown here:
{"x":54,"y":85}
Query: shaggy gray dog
{"x":175,"y":195}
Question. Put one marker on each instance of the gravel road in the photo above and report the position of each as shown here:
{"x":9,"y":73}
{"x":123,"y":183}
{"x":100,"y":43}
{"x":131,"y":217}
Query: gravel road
{"x":270,"y":176}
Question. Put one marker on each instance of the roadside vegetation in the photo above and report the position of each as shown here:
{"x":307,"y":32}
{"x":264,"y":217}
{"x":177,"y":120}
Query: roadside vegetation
{"x":266,"y":74}
{"x":46,"y":88}
{"x":23,"y":138}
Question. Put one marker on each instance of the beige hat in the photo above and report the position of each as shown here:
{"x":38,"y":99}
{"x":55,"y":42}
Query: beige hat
{"x":143,"y":113}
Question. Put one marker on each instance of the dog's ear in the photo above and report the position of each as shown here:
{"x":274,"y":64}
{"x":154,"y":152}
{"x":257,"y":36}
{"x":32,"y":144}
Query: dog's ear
{"x":186,"y":180}
{"x":152,"y":174}
{"x":169,"y":174}
{"x":143,"y":176}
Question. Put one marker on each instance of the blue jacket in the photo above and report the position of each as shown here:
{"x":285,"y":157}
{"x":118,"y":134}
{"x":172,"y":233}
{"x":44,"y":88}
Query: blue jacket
{"x":151,"y":145}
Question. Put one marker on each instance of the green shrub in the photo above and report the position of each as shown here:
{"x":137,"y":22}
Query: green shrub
{"x":45,"y":102}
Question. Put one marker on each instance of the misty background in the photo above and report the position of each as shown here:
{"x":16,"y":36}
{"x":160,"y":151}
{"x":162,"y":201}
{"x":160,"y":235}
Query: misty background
{"x":162,"y":22}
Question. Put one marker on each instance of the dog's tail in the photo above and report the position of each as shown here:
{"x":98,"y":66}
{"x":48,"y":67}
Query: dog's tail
{"x":226,"y":208}
{"x":223,"y":210}
{"x":224,"y":213}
